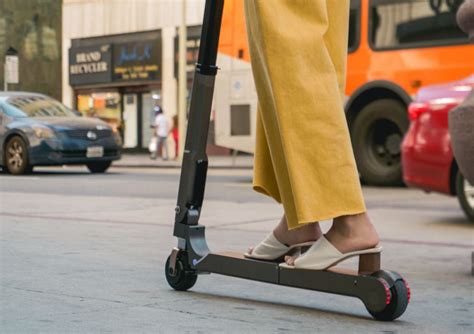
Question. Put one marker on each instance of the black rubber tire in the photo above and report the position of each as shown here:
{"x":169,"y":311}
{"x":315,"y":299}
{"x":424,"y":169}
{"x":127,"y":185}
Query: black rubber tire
{"x":398,"y":302}
{"x":18,"y":168}
{"x":99,"y":167}
{"x":377,"y":134}
{"x":461,"y":195}
{"x":184,"y":278}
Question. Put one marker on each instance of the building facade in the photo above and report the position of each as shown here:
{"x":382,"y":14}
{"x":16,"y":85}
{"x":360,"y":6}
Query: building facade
{"x":119,"y":60}
{"x":33,"y":28}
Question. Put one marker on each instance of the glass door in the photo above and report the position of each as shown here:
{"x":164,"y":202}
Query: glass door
{"x":130,"y":119}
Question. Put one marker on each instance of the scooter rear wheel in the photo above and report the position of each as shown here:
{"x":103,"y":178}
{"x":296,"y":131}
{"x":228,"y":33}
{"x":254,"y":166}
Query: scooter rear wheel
{"x":398,"y":297}
{"x":184,"y":278}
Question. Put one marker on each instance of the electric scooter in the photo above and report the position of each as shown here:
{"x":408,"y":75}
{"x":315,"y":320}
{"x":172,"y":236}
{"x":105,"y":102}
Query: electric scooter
{"x":385,"y":294}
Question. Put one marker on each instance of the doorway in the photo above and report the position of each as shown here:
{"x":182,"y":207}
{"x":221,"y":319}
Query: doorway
{"x":130,"y":119}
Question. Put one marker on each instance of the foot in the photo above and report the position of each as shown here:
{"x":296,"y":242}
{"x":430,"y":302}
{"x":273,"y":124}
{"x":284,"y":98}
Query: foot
{"x":353,"y":233}
{"x":349,"y":234}
{"x":308,"y":232}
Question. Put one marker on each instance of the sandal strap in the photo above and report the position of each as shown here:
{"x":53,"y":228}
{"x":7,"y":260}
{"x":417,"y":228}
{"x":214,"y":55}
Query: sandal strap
{"x":270,"y":247}
{"x":319,"y":255}
{"x":323,"y":255}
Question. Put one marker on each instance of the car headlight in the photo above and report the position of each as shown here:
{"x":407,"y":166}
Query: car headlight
{"x":42,"y":131}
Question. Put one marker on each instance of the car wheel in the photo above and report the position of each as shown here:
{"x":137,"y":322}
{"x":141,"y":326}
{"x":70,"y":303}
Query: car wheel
{"x":99,"y":167}
{"x":16,"y":157}
{"x":465,"y":194}
{"x":377,"y":135}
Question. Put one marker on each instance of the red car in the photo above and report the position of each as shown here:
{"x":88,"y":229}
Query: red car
{"x":427,"y":156}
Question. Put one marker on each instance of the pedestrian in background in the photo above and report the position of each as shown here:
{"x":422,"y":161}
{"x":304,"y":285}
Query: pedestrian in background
{"x":175,"y":134}
{"x":161,"y":127}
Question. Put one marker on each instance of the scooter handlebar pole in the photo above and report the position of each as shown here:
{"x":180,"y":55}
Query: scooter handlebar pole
{"x":210,"y":32}
{"x":194,"y":168}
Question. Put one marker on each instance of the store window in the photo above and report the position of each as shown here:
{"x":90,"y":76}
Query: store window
{"x":103,"y":105}
{"x":411,"y":23}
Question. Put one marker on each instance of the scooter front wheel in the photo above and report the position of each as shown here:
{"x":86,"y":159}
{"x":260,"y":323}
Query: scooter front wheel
{"x":398,"y":297}
{"x":183,"y":278}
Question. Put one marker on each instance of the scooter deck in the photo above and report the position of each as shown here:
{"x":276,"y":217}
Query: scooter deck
{"x":338,"y":281}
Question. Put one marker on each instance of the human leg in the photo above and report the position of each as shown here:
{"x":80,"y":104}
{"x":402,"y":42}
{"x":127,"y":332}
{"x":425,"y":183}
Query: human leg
{"x":305,"y":158}
{"x":301,"y":111}
{"x":265,"y":182}
{"x":354,"y":231}
{"x":176,"y":144}
{"x":349,"y":232}
{"x":164,"y":144}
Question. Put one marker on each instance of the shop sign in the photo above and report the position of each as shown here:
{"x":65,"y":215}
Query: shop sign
{"x":88,"y":65}
{"x":137,"y":61}
{"x":11,"y":69}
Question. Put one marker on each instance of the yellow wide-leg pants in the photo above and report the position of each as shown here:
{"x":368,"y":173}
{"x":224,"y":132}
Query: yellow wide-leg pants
{"x":303,"y":154}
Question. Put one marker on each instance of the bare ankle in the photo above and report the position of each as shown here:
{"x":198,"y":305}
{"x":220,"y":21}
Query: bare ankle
{"x":353,"y":232}
{"x":350,"y":220}
{"x":308,"y":232}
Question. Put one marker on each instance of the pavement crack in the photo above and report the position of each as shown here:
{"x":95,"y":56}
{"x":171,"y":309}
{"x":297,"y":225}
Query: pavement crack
{"x":209,"y":315}
{"x":125,"y":304}
{"x":68,"y":295}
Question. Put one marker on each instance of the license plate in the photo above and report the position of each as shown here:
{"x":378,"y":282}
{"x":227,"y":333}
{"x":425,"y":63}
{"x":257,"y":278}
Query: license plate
{"x":95,"y":152}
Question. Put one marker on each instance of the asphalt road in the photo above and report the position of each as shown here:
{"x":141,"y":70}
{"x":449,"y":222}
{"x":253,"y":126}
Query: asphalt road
{"x":85,"y":253}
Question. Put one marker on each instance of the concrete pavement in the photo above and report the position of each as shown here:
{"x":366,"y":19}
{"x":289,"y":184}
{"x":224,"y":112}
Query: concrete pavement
{"x":142,"y":160}
{"x":85,"y":253}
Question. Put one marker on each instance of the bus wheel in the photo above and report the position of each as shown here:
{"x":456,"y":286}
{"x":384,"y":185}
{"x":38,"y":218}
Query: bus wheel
{"x":377,"y":134}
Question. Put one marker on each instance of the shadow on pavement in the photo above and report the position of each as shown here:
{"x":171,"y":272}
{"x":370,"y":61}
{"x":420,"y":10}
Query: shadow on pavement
{"x":312,"y":311}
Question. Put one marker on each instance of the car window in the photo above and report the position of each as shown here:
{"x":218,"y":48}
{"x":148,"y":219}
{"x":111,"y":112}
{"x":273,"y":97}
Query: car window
{"x":354,"y":25}
{"x":36,"y":106}
{"x":12,"y":111}
{"x":397,"y":24}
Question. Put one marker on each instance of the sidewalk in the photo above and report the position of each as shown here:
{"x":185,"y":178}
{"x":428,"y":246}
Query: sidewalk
{"x":142,"y":160}
{"x":87,"y":255}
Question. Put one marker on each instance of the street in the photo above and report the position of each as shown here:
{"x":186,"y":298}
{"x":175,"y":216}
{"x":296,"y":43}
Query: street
{"x":85,"y":253}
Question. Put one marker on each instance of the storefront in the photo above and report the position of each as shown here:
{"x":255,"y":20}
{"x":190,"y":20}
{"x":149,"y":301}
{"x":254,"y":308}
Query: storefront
{"x":118,"y":78}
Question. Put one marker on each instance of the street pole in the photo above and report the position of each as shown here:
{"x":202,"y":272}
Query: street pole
{"x":5,"y":84}
{"x":182,"y":82}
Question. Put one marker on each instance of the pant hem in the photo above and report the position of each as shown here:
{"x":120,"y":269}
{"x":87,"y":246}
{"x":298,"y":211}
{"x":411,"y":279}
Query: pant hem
{"x":262,"y":190}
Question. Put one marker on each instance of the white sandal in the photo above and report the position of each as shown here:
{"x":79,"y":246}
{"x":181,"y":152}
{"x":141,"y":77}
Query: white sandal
{"x":323,"y":255}
{"x":270,"y":249}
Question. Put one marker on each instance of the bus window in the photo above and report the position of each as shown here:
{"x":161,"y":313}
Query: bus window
{"x":354,"y":25}
{"x":414,"y":23}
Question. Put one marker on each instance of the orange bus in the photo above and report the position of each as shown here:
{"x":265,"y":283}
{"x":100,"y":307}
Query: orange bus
{"x":395,"y":47}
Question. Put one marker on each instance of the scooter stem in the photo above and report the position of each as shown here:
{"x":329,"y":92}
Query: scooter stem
{"x":194,"y":168}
